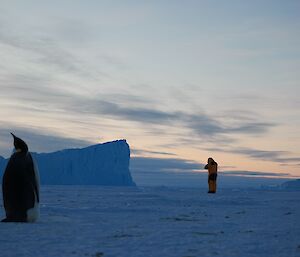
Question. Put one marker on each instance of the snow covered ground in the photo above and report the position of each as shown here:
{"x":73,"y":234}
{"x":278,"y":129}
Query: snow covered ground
{"x":157,"y":221}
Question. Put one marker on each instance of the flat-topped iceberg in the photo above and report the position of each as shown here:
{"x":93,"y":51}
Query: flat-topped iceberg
{"x":102,"y":164}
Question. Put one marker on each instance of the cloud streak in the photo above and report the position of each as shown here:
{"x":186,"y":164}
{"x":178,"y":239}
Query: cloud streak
{"x":201,"y":124}
{"x":33,"y":90}
{"x":44,"y":51}
{"x":37,"y":141}
{"x":254,"y":173}
{"x":146,"y":164}
{"x":140,"y":152}
{"x":274,"y":156}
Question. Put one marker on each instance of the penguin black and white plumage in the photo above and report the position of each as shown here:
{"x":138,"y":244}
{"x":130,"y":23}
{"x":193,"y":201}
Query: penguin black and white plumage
{"x":20,"y":185}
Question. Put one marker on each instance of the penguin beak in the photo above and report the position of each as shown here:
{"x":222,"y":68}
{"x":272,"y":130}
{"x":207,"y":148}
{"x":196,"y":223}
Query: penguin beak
{"x":14,"y":140}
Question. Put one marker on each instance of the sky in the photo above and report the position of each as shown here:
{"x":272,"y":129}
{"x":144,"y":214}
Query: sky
{"x":181,"y":81}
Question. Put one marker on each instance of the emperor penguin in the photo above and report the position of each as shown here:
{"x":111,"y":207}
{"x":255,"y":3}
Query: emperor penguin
{"x":20,"y":185}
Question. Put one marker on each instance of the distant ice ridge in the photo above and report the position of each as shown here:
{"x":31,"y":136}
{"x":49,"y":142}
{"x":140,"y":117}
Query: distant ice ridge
{"x":291,"y":185}
{"x":102,"y":164}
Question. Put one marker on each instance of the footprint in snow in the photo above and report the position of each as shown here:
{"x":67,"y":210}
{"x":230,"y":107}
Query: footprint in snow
{"x":98,"y":254}
{"x":204,"y":233}
{"x":179,"y":219}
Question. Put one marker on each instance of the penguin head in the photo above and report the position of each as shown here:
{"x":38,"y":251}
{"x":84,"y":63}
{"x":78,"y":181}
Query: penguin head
{"x":19,"y":144}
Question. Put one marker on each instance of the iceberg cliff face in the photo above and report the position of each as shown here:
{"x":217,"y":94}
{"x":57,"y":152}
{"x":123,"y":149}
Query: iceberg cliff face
{"x":101,"y":164}
{"x":3,"y":163}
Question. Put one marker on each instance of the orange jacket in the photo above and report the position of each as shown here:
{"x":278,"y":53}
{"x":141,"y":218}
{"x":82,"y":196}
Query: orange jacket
{"x":212,"y":168}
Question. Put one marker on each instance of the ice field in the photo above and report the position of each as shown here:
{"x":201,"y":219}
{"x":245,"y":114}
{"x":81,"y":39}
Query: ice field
{"x":157,"y":221}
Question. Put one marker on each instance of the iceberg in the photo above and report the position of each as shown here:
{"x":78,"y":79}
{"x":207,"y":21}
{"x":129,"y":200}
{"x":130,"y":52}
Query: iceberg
{"x":104,"y":164}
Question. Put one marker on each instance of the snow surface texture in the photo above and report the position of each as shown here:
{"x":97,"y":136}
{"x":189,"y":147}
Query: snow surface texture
{"x":101,"y":164}
{"x":159,"y":221}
